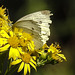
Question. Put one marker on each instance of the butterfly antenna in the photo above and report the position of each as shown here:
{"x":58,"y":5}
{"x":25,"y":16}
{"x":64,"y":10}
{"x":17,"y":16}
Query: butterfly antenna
{"x":8,"y":13}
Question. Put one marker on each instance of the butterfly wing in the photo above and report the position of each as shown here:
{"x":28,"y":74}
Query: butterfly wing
{"x":32,"y":28}
{"x":37,"y":22}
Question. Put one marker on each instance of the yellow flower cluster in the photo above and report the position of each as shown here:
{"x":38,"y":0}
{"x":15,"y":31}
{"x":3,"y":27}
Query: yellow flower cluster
{"x":4,"y":21}
{"x":51,"y":53}
{"x":55,"y":49}
{"x":21,"y":46}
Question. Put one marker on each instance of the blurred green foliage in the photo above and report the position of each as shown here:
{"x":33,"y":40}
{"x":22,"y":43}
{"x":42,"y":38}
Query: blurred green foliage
{"x":62,"y":29}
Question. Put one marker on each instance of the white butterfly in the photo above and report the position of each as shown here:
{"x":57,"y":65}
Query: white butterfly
{"x":37,"y":24}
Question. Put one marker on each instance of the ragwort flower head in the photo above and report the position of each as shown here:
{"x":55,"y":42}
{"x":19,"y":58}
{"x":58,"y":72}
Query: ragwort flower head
{"x":49,"y":54}
{"x":56,"y":52}
{"x":25,"y":61}
{"x":4,"y":21}
{"x":20,"y":46}
{"x":12,"y":41}
{"x":3,"y":13}
{"x":4,"y":25}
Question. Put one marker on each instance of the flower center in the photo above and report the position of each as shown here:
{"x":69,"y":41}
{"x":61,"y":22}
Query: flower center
{"x":26,"y":57}
{"x":13,"y":41}
{"x":23,"y":42}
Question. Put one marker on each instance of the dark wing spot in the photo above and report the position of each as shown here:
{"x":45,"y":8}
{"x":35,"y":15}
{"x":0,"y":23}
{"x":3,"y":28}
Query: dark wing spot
{"x":32,"y":28}
{"x":40,"y":22}
{"x":32,"y":31}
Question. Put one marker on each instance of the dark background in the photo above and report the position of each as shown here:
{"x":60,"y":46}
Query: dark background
{"x":62,"y":29}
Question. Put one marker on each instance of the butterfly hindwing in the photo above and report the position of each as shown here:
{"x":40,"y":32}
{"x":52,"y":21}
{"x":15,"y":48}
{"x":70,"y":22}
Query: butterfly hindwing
{"x":32,"y":28}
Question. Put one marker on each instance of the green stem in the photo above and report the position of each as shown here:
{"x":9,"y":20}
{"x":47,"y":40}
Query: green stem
{"x":6,"y":72}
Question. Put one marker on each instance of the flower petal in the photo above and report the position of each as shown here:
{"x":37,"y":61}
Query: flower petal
{"x":16,"y":62}
{"x":11,"y":33}
{"x":32,"y":45}
{"x":61,"y":55}
{"x":25,"y":69}
{"x":20,"y":50}
{"x":4,"y":48}
{"x":34,"y":57}
{"x":33,"y":61}
{"x":28,"y":68}
{"x":45,"y":46}
{"x":21,"y":67}
{"x":14,"y":53}
{"x":33,"y":65}
{"x":4,"y":34}
{"x":3,"y":41}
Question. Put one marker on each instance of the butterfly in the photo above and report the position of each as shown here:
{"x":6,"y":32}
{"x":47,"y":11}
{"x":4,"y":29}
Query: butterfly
{"x":37,"y":24}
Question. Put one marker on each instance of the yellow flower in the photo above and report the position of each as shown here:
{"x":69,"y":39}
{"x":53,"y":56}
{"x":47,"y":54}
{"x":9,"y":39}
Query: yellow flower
{"x":4,"y":25}
{"x":26,"y":60}
{"x":25,"y":39}
{"x":44,"y":49}
{"x":9,"y":41}
{"x":55,"y":49}
{"x":4,"y":21}
{"x":45,"y":46}
{"x":3,"y":13}
{"x":13,"y":41}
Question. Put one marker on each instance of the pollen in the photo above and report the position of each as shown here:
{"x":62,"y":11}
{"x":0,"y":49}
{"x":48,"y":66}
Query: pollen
{"x":26,"y":57}
{"x":13,"y":41}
